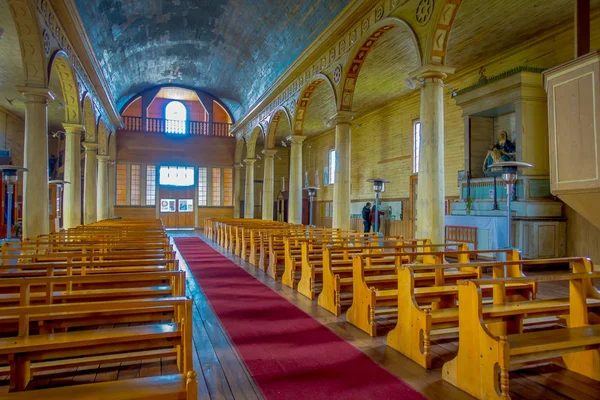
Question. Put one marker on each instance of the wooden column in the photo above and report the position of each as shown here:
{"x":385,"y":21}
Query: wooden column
{"x":582,"y":27}
{"x":268,"y":184}
{"x":249,"y":199}
{"x":72,"y":191}
{"x":341,"y":187}
{"x":295,"y":190}
{"x":36,"y":216}
{"x":431,"y":191}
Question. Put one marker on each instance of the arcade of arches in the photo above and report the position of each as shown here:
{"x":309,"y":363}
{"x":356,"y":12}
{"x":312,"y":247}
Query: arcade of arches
{"x":231,"y":111}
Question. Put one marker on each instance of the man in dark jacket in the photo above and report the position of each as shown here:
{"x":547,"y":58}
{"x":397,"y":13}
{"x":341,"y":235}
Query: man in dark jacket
{"x":378,"y":216}
{"x":366,"y":216}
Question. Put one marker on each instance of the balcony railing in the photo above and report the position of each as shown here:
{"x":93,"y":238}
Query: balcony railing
{"x":175,"y":127}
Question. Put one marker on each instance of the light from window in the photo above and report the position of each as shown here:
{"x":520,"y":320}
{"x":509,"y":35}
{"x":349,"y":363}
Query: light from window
{"x":150,"y":185}
{"x":176,"y":176}
{"x":216,"y":187}
{"x":121,"y":184}
{"x":202,"y":187}
{"x":417,"y":146}
{"x":176,"y":116}
{"x":227,"y":187}
{"x":134,"y":191}
{"x":332,"y":166}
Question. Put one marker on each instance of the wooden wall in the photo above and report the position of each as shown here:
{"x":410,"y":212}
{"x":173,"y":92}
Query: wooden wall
{"x":213,"y":212}
{"x":128,"y":212}
{"x":161,"y":149}
{"x":583,"y":238}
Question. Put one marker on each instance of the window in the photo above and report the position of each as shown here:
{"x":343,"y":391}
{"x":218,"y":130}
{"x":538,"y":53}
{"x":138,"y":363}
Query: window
{"x":134,"y":194}
{"x":202,"y":187}
{"x":216,"y":187}
{"x":228,"y":187}
{"x":416,"y":146}
{"x":121,"y":184}
{"x":332,"y":166}
{"x":177,"y":176}
{"x":150,"y":185}
{"x":176,"y":116}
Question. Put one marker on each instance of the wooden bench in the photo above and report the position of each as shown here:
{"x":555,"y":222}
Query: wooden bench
{"x":337,"y":275}
{"x":23,"y":350}
{"x":481,"y":367}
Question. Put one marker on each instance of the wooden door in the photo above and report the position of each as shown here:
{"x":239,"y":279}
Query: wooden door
{"x":414,"y":186}
{"x":177,"y":206}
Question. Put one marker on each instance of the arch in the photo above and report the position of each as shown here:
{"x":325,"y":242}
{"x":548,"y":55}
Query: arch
{"x":359,"y":55}
{"x":273,"y":123}
{"x":436,"y":47}
{"x":251,"y":141}
{"x":305,"y":95}
{"x":30,"y":41}
{"x":68,"y":83}
{"x":89,"y":119}
{"x":102,"y":138}
{"x":239,"y":150}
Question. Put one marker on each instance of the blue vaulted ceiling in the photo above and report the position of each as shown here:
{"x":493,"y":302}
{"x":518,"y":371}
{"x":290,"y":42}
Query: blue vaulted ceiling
{"x":232,"y":49}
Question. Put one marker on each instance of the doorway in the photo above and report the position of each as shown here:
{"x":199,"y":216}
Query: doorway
{"x":177,"y":200}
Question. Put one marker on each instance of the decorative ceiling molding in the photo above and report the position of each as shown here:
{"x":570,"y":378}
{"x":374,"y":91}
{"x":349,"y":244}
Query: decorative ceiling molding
{"x":106,"y":107}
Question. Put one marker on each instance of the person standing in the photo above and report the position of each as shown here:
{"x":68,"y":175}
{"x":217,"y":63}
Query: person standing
{"x":373,"y":215}
{"x":366,"y":216}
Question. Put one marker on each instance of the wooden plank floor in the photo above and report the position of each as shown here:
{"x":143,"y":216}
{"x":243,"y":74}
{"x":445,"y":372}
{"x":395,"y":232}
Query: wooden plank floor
{"x":222,"y":374}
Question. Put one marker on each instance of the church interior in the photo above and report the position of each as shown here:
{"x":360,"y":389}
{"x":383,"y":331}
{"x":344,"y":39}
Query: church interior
{"x":326,"y":199}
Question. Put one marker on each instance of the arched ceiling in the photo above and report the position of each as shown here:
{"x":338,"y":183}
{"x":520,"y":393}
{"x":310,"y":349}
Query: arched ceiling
{"x":232,"y":49}
{"x":387,"y":65}
{"x":320,"y":109}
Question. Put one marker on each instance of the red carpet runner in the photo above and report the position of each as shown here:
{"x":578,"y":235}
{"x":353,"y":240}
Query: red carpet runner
{"x":289,"y":354}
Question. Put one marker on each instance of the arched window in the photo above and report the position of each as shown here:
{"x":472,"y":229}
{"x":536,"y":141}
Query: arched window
{"x":176,"y":116}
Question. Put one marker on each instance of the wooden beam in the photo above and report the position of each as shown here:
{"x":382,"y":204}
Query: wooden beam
{"x":582,"y":27}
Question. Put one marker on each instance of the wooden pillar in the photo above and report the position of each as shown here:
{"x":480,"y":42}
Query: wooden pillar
{"x":268,"y":184}
{"x":431,"y":191}
{"x":237,"y":175}
{"x":341,"y":187}
{"x":295,"y":190}
{"x":249,"y":199}
{"x":72,"y":190}
{"x":582,"y":27}
{"x":36,"y":216}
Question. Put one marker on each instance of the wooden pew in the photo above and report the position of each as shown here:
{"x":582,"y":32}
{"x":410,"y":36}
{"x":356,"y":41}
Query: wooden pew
{"x":339,"y":253}
{"x":107,"y":343}
{"x":481,"y":367}
{"x":376,"y":297}
{"x":337,"y":275}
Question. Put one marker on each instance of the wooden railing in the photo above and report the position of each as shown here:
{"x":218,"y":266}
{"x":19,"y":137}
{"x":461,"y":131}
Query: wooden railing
{"x":175,"y":127}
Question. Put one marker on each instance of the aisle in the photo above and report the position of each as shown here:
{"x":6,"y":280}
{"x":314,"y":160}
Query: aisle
{"x":289,"y":354}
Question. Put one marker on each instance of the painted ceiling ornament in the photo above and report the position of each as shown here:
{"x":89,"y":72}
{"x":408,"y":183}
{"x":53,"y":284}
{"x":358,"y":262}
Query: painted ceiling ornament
{"x":337,"y":74}
{"x":353,"y":37}
{"x":46,"y":36}
{"x":365,"y":25}
{"x":378,"y":13}
{"x":424,"y":11}
{"x":342,"y":47}
{"x":332,"y":54}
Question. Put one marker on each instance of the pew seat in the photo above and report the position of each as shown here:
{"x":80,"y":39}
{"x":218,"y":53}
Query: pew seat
{"x":166,"y":387}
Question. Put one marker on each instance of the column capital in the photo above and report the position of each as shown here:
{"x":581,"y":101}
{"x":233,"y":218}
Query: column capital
{"x":432,"y":71}
{"x":296,"y":139}
{"x":75,"y":129}
{"x":269,"y":153}
{"x":90,"y":146}
{"x":35,"y":93}
{"x":103,"y":158}
{"x":250,"y":161}
{"x":342,"y":117}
